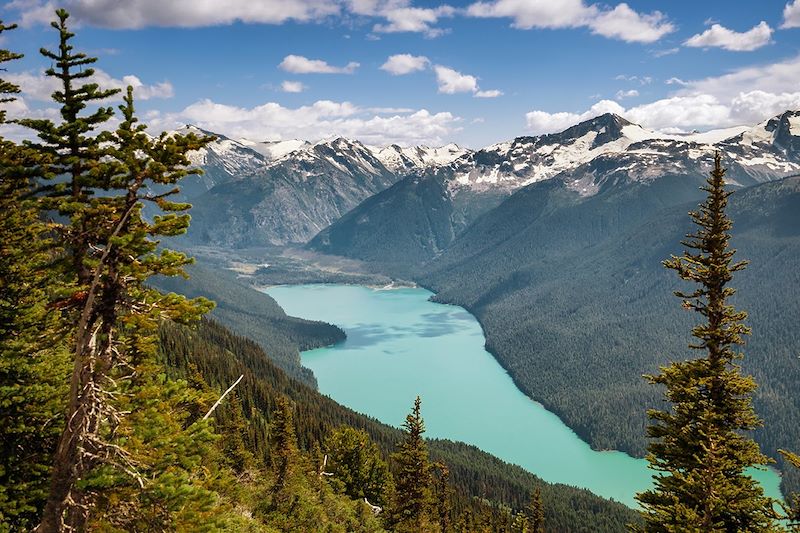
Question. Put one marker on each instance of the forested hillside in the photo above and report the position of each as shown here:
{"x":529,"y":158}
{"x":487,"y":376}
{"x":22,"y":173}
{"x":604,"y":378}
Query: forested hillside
{"x":220,"y":357}
{"x":576,"y":305}
{"x":255,"y":315}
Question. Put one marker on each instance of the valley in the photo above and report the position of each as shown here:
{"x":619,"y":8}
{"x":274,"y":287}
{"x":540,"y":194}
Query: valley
{"x":541,"y":237}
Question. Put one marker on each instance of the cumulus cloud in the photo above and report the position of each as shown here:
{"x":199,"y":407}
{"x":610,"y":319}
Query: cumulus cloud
{"x":293,"y":87}
{"x":791,"y":15}
{"x":400,"y":64}
{"x":133,"y":14}
{"x":625,"y":24}
{"x":451,"y":81}
{"x":413,"y":19}
{"x":744,"y":96}
{"x":721,"y":37}
{"x":621,"y":22}
{"x":38,"y":86}
{"x":321,"y":119}
{"x":303,"y":65}
{"x":779,"y":77}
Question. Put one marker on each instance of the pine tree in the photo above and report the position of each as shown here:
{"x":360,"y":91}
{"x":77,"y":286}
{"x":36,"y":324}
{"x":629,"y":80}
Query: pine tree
{"x":414,"y":499}
{"x":33,"y":363}
{"x":110,"y":253}
{"x":700,"y":446}
{"x":283,"y":450}
{"x":536,"y":512}
{"x":357,"y":467}
{"x":442,"y":494}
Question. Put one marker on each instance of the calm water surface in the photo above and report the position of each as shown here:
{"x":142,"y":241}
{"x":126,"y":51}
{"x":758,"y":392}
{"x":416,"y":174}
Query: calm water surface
{"x":400,"y":345}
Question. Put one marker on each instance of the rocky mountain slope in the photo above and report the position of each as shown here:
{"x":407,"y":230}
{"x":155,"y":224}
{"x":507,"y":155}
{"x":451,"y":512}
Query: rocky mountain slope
{"x":260,"y":194}
{"x":603,"y":151}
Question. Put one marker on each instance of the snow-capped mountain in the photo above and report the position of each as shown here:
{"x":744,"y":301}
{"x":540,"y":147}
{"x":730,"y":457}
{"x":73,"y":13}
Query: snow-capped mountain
{"x":273,"y":150}
{"x":768,"y":151}
{"x":431,"y":207}
{"x":222,"y":160}
{"x":404,"y":160}
{"x":292,"y":198}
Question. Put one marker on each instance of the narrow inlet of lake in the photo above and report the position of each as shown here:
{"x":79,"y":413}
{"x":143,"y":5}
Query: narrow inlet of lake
{"x":400,"y":345}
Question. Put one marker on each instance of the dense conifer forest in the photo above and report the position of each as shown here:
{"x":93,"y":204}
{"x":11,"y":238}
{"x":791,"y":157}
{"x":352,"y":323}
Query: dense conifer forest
{"x":125,"y":408}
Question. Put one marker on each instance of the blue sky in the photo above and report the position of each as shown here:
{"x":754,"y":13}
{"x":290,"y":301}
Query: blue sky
{"x":469,"y":72}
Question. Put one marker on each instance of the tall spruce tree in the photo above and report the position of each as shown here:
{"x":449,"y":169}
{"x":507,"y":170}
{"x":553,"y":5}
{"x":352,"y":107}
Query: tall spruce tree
{"x":283,"y":453}
{"x":33,"y":363}
{"x":110,"y":253}
{"x":443,"y":494}
{"x":700,"y":447}
{"x":357,"y":467}
{"x":413,"y":497}
{"x":536,"y":512}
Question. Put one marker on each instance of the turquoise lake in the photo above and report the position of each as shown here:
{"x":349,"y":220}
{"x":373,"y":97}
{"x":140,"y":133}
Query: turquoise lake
{"x":400,"y":345}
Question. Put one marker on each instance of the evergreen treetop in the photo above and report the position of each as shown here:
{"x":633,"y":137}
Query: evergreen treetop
{"x":700,"y":446}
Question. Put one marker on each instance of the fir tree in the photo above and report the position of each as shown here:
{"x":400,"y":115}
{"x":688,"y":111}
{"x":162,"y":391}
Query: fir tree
{"x":33,"y":363}
{"x":442,"y":494}
{"x":356,"y":466}
{"x":700,"y":446}
{"x":536,"y":512}
{"x":110,"y":253}
{"x":282,"y":449}
{"x":413,"y":500}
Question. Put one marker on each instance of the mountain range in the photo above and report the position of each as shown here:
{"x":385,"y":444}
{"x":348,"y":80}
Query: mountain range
{"x":554,"y":243}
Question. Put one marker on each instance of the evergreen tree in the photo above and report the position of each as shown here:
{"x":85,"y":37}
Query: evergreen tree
{"x":536,"y":512}
{"x":793,"y":507}
{"x":110,"y":253}
{"x":413,"y":499}
{"x":33,"y":363}
{"x":357,"y":467}
{"x":232,"y":427}
{"x":282,"y":450}
{"x":443,"y":493}
{"x":700,"y":446}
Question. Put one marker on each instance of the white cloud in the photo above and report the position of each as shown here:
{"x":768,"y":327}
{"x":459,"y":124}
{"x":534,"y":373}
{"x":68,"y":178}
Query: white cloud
{"x":625,"y":24}
{"x":38,"y":86}
{"x":400,"y":64}
{"x":642,"y":80}
{"x":626,"y":94}
{"x":621,"y":22}
{"x":721,"y":37}
{"x":413,"y":19}
{"x":320,"y":120}
{"x":451,"y":81}
{"x":293,"y":87}
{"x":303,"y":65}
{"x":774,"y":78}
{"x":133,"y":14}
{"x":745,"y":96}
{"x":791,"y":15}
{"x":665,"y":52}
